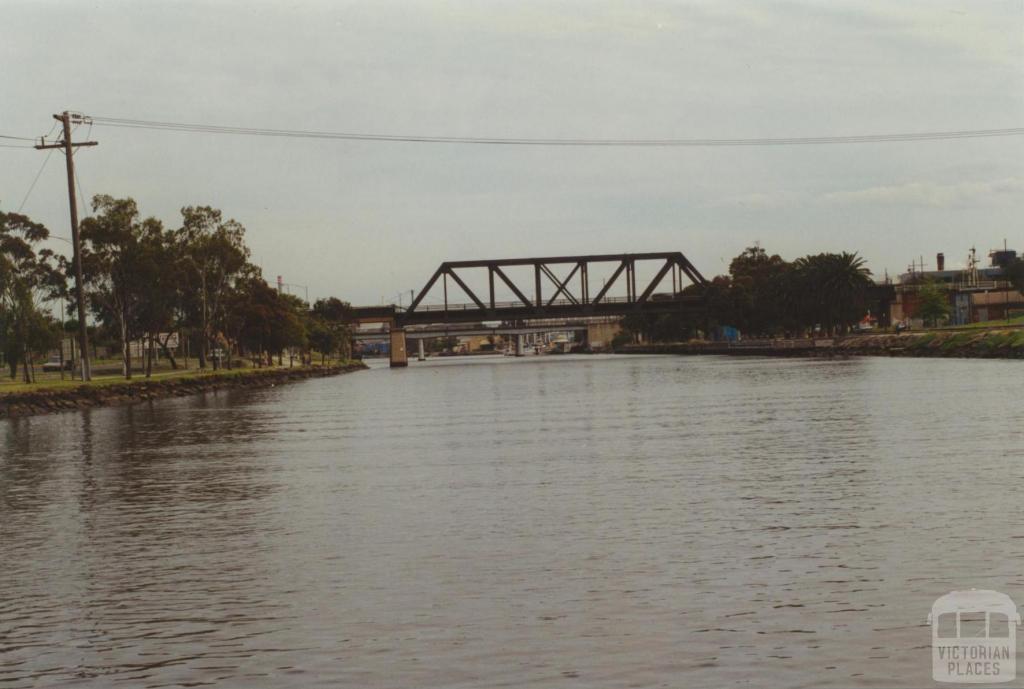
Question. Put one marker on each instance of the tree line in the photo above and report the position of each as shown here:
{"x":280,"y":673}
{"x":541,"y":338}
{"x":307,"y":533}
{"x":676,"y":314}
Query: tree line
{"x":149,"y":283}
{"x":29,"y":274}
{"x":763,"y":295}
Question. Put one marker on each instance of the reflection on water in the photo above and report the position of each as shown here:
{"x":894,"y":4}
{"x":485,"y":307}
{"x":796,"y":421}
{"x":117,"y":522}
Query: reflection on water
{"x":590,"y":521}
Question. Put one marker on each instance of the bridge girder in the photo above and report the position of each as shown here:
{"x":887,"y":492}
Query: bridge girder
{"x":567,"y":299}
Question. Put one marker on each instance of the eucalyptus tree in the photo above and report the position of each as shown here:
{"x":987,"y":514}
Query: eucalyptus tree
{"x":28,"y":276}
{"x":162,"y":310}
{"x":213,"y":255}
{"x":119,"y":267}
{"x":335,"y":317}
{"x":758,"y":285}
{"x":322,"y":338}
{"x":260,"y":320}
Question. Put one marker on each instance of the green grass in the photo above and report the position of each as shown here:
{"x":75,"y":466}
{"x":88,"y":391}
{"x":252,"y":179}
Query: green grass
{"x":1015,"y":322}
{"x":999,"y":340}
{"x":972,"y":338}
{"x":923,"y":341}
{"x":8,"y":386}
{"x":960,"y":339}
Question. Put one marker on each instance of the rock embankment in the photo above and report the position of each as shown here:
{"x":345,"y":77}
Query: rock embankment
{"x":987,"y":343}
{"x":972,"y":343}
{"x":45,"y":401}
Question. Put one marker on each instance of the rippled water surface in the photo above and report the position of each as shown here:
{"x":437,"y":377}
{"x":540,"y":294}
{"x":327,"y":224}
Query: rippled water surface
{"x":550,"y":521}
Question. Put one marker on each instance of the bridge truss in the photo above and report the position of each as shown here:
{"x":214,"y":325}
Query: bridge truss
{"x":555,"y":296}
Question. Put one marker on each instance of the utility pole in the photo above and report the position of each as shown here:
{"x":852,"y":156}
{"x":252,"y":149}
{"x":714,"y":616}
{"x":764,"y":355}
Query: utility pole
{"x":66,"y":118}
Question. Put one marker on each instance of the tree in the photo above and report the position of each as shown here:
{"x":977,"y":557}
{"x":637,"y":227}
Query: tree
{"x":213,"y":256}
{"x":830,"y":290}
{"x":42,"y":334}
{"x":449,"y":343}
{"x":292,"y":331}
{"x":336,"y":315}
{"x":1014,"y":272}
{"x":765,"y":295}
{"x":932,"y":303}
{"x":637,"y":326}
{"x":27,"y":277}
{"x":758,"y":281}
{"x":118,"y":266}
{"x":260,"y":320}
{"x":323,"y":338}
{"x":721,"y":301}
{"x":162,"y":291}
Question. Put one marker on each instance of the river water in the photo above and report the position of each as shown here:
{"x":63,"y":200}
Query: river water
{"x":565,"y":521}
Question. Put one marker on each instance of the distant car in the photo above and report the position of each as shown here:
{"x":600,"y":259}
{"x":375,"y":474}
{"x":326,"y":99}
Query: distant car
{"x":54,"y":364}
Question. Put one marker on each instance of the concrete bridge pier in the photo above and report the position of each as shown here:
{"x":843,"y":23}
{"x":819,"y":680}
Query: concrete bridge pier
{"x":399,"y":358}
{"x":519,"y":345}
{"x":600,"y":335}
{"x":421,"y":355}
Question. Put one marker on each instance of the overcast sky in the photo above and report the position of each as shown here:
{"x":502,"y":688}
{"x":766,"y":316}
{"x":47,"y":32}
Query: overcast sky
{"x":363,"y":220}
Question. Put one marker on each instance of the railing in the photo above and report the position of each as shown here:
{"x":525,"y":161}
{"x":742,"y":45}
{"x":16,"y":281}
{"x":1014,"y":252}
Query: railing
{"x":960,"y":286}
{"x":778,"y":343}
{"x":558,"y":302}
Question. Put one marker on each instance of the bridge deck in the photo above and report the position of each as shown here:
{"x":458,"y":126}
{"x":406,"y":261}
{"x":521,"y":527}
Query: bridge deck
{"x":517,"y":311}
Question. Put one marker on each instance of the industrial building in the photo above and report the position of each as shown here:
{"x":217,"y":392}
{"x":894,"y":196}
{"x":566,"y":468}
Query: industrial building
{"x":976,"y":294}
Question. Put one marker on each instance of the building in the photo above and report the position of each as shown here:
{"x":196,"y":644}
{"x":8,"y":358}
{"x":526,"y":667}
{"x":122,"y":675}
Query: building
{"x":976,"y":294}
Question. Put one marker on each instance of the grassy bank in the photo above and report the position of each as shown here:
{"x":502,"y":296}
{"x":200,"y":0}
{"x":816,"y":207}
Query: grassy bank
{"x":987,"y":343}
{"x":990,"y":343}
{"x":108,"y":372}
{"x":50,"y":396}
{"x":53,"y":382}
{"x":1016,"y":322}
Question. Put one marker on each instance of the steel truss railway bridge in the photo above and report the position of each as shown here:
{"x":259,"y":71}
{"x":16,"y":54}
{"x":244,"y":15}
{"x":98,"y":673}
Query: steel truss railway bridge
{"x":549,"y":298}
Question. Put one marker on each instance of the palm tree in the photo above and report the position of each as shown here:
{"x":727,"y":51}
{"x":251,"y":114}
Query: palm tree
{"x":832,"y":289}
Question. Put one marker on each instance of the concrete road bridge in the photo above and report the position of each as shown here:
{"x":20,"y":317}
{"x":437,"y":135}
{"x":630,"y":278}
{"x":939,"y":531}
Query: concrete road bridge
{"x":548,"y":298}
{"x":597,"y":331}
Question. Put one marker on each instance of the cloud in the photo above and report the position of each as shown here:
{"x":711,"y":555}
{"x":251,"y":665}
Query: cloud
{"x":970,"y":192}
{"x":362,"y":219}
{"x":921,"y":193}
{"x":764,"y":200}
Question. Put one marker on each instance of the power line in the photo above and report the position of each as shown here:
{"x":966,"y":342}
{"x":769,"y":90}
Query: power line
{"x":66,"y":119}
{"x":410,"y":138}
{"x":33,"y":185}
{"x":81,"y":192}
{"x":28,"y":138}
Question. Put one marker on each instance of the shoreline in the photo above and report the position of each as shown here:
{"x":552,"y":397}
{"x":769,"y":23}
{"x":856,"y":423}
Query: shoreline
{"x":48,"y":401}
{"x":987,"y":343}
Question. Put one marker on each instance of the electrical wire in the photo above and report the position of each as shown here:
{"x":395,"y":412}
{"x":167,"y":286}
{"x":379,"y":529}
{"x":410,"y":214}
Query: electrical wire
{"x":38,"y":175}
{"x":18,"y":138}
{"x":81,"y":192}
{"x":409,"y":138}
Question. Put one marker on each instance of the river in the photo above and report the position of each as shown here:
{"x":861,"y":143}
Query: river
{"x":574,"y":521}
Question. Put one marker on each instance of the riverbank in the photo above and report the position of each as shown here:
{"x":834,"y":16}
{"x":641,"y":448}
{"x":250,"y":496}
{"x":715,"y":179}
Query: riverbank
{"x":48,"y":399}
{"x":991,"y":343}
